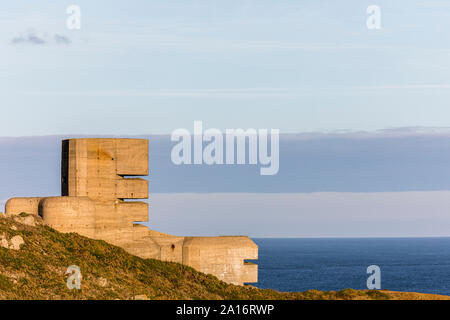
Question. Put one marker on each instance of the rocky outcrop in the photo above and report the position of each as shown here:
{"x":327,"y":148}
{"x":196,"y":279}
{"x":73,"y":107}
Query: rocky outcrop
{"x":14,"y":243}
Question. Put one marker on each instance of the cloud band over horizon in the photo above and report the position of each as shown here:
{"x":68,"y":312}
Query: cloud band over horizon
{"x":394,"y":183}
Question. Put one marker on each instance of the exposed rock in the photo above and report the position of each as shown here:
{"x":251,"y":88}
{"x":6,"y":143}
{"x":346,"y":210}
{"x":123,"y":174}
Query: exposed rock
{"x":102,"y":282}
{"x":13,"y":276}
{"x":4,"y":242}
{"x":29,"y":220}
{"x":13,"y":244}
{"x":141,"y":297}
{"x":16,"y":242}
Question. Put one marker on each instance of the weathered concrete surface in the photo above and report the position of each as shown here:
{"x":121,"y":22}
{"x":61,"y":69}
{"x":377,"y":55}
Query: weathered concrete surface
{"x":95,"y":168}
{"x":92,"y":204}
{"x":223,"y":257}
{"x":69,"y":214}
{"x":15,"y":206}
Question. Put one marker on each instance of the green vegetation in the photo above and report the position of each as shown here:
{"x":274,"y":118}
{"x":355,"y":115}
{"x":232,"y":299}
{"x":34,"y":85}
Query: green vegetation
{"x":37,"y":271}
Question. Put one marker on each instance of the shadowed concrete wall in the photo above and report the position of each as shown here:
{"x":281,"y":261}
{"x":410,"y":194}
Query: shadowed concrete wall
{"x":94,"y":188}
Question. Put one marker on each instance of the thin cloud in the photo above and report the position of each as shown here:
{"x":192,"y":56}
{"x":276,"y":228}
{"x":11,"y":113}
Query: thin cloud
{"x":188,"y":93}
{"x":410,"y":86}
{"x":61,"y":39}
{"x":156,"y":39}
{"x":31,"y":37}
{"x":231,"y":93}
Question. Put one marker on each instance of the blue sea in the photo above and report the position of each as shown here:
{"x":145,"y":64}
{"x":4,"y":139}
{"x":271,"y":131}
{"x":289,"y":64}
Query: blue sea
{"x":407,"y":264}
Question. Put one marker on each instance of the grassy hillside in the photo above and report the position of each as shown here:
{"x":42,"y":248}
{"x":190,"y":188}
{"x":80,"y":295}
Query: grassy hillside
{"x":37,"y":271}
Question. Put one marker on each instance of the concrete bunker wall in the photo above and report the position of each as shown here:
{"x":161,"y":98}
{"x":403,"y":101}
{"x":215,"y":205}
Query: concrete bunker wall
{"x":69,"y":214}
{"x":95,"y":182}
{"x":15,"y":206}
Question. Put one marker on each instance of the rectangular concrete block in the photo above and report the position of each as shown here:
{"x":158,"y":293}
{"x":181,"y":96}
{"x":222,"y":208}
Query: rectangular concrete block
{"x":133,"y":211}
{"x":94,"y":168}
{"x":131,"y":188}
{"x":250,"y":273}
{"x":223,"y":257}
{"x":132,"y":157}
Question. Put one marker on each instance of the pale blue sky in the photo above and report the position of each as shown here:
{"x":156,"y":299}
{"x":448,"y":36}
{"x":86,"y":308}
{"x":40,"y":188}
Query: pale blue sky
{"x":141,"y":67}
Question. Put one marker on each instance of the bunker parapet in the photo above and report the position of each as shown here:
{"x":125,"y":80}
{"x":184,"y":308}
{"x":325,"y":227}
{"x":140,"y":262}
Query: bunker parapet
{"x":95,"y":184}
